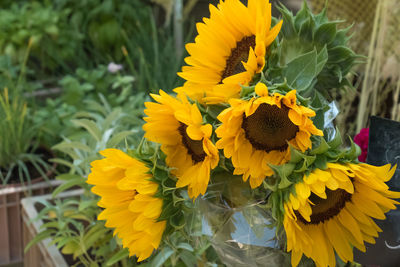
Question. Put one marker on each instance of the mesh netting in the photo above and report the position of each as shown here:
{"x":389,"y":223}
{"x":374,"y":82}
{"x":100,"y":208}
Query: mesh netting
{"x":360,"y":13}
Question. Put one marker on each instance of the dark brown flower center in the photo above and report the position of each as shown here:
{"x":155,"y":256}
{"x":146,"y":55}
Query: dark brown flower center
{"x":238,"y":54}
{"x":269,"y":128}
{"x":194,"y":147}
{"x":324,"y":209}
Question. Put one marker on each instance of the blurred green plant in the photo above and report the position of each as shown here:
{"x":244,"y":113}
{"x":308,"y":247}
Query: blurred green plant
{"x":72,"y":223}
{"x":89,"y":83}
{"x":53,"y":40}
{"x":17,"y":142}
{"x":68,"y":34}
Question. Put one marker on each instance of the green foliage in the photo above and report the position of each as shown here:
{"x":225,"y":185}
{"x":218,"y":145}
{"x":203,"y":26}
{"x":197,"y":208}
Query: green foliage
{"x":311,"y":53}
{"x":53,"y":41}
{"x":72,"y":225}
{"x":89,"y":83}
{"x":90,"y":132}
{"x":83,"y":92}
{"x":17,"y":141}
{"x":66,"y":34}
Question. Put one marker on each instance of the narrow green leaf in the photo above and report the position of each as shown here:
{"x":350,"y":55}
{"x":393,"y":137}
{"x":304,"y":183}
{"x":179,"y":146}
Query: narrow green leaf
{"x":63,"y":162}
{"x":39,"y":237}
{"x":322,"y":147}
{"x":72,"y":145}
{"x":162,"y":257}
{"x":118,"y":138}
{"x":90,"y":126}
{"x":70,"y":183}
{"x":185,"y":246}
{"x":122,"y":254}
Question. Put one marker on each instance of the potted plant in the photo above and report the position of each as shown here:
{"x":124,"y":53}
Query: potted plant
{"x":61,"y":229}
{"x":24,"y":170}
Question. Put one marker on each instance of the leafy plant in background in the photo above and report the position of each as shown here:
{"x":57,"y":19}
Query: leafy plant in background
{"x":69,"y":34}
{"x":53,"y":41}
{"x":82,"y":92}
{"x":89,"y":83}
{"x":17,"y":142}
{"x":72,"y":223}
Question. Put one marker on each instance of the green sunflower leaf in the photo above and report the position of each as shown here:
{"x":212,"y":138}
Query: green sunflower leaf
{"x":177,"y":220}
{"x":301,"y":71}
{"x":325,"y":33}
{"x":354,"y":151}
{"x":320,"y":162}
{"x":322,"y":58}
{"x":322,"y":147}
{"x":336,"y":141}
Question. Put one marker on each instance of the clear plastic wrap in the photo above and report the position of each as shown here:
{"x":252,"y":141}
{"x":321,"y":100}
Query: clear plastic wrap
{"x":240,"y":228}
{"x":329,"y":116}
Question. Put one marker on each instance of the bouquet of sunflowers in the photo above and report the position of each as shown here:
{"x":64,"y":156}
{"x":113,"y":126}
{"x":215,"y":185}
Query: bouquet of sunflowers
{"x":250,"y":126}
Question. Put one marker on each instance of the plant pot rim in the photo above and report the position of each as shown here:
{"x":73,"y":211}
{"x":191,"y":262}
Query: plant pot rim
{"x":30,"y":212}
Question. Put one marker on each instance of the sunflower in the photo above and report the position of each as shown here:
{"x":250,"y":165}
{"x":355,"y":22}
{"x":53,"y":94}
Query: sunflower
{"x":127,"y":194}
{"x":332,"y":210}
{"x":178,"y":126}
{"x":258,"y":132}
{"x":229,"y":49}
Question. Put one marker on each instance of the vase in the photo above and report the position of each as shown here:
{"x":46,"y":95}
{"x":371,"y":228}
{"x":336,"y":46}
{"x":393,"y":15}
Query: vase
{"x":239,"y":226}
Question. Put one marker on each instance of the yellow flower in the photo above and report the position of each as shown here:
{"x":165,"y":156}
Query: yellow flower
{"x":229,"y":49}
{"x":331,"y":210}
{"x":258,"y":132}
{"x":178,"y":126}
{"x":127,"y":194}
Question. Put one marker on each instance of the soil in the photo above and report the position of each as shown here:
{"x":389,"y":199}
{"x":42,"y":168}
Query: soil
{"x":46,"y":155}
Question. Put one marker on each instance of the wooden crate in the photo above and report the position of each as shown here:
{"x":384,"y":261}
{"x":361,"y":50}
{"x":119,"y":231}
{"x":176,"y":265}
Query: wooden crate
{"x":11,"y":241}
{"x":41,"y":254}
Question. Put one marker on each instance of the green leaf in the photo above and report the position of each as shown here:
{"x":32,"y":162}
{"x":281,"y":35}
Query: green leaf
{"x":70,"y":183}
{"x":284,"y":171}
{"x":301,"y":71}
{"x":336,"y":141}
{"x":118,"y":138}
{"x":90,"y":126}
{"x":295,"y":155}
{"x":354,"y":151}
{"x":189,"y":258}
{"x":94,"y":234}
{"x":39,"y":237}
{"x":72,"y":247}
{"x":72,"y":145}
{"x":67,"y":176}
{"x":322,"y":148}
{"x":122,"y":254}
{"x":63,"y":162}
{"x":339,"y":54}
{"x":288,"y":27}
{"x":185,"y":246}
{"x":162,"y":257}
{"x":326,"y":33}
{"x":84,"y":204}
{"x":322,"y":58}
{"x":177,"y":220}
{"x":306,"y":30}
{"x":167,"y":211}
{"x":320,"y":162}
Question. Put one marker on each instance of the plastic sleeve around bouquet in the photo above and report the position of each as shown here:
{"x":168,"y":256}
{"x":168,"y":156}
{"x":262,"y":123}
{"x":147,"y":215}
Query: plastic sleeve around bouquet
{"x":329,"y":116}
{"x":239,"y":227}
